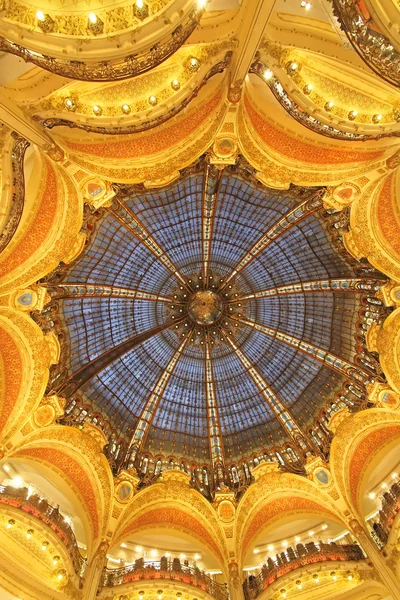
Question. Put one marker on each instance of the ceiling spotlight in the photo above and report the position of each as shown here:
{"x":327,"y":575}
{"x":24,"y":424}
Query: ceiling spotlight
{"x":69,"y":104}
{"x":197,"y":556}
{"x":297,"y":538}
{"x":175,"y":84}
{"x":352,"y":115}
{"x":311,"y":533}
{"x":328,"y":106}
{"x":292,"y":67}
{"x":60,"y":575}
{"x":298,"y":583}
{"x":394,"y":475}
{"x":44,"y":21}
{"x":350,"y":576}
{"x":29,"y":534}
{"x":325,"y":526}
{"x":334,"y":576}
{"x":17,"y":481}
{"x":44,"y":545}
{"x":126,"y":109}
{"x":256,"y":551}
{"x":55,"y":559}
{"x":152,"y":100}
{"x":283,"y":593}
{"x":201,"y":3}
{"x":141,"y":594}
{"x":141,"y":10}
{"x":193,"y":64}
{"x":377,"y":118}
{"x":268,"y":74}
{"x":316,"y":578}
{"x":10,"y":523}
{"x":95,"y":24}
{"x":97,"y":110}
{"x":372,"y":495}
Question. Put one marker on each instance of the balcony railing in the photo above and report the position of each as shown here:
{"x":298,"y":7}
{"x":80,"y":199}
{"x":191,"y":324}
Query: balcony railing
{"x":290,"y":560}
{"x":40,"y":509}
{"x":387,"y":514}
{"x":165,"y":569}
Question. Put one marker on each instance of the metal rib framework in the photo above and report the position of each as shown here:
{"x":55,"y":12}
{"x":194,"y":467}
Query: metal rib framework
{"x":209,"y":202}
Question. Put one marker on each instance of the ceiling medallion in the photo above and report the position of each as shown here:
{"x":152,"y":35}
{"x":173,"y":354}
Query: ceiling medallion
{"x":206,"y":308}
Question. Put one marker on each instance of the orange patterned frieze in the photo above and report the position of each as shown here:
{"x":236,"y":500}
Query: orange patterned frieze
{"x":134,"y":146}
{"x":364,"y":452}
{"x":281,"y":507}
{"x":71,"y":471}
{"x":295,"y":149}
{"x":172,"y":517}
{"x":11,"y":367}
{"x":388,"y":209}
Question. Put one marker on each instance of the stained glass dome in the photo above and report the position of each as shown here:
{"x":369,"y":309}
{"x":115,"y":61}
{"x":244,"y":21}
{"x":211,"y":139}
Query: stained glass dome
{"x":214,"y":319}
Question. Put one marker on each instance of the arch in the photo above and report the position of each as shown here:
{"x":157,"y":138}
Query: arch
{"x":75,"y":455}
{"x":48,"y":231}
{"x":173,"y":503}
{"x":273,"y":497}
{"x":388,"y":346}
{"x":375,"y":222}
{"x":25,"y":357}
{"x":357,"y":441}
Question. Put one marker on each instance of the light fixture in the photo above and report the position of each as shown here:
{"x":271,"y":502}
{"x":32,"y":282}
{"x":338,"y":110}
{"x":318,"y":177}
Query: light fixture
{"x":17,"y":481}
{"x":371,"y":495}
{"x":193,"y":64}
{"x":182,"y":556}
{"x":141,"y":594}
{"x":283,"y":593}
{"x":270,"y":547}
{"x":10,"y":523}
{"x":325,"y":526}
{"x":298,"y":583}
{"x":292,"y":67}
{"x":256,"y":551}
{"x":29,"y":534}
{"x":126,"y":109}
{"x":60,"y":574}
{"x":7,"y":469}
{"x":394,"y":475}
{"x":334,"y":576}
{"x":153,"y":100}
{"x":95,"y":24}
{"x":285,"y":544}
{"x":352,"y":115}
{"x":55,"y":559}
{"x":268,"y":74}
{"x":328,"y":106}
{"x":44,"y":545}
{"x":141,"y":10}
{"x":197,"y":556}
{"x":159,"y":594}
{"x":97,"y":110}
{"x":201,"y":3}
{"x":377,"y":118}
{"x":316,"y":578}
{"x":308,"y":5}
{"x":311,"y":533}
{"x":138,"y":549}
{"x":384,"y":485}
{"x":153,"y":552}
{"x":307,"y":88}
{"x":350,"y":576}
{"x":168,"y":554}
{"x":123,"y":545}
{"x":69,"y":103}
{"x":175,"y":84}
{"x":297,"y":538}
{"x":44,"y":21}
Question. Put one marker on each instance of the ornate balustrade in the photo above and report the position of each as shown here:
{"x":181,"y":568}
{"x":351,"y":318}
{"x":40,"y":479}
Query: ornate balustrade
{"x":165,"y":569}
{"x":368,"y":41}
{"x":40,"y":509}
{"x":387,"y":514}
{"x":288,"y":561}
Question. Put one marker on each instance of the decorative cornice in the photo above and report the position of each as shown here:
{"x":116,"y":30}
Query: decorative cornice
{"x":51,"y":122}
{"x":115,"y":70}
{"x":301,"y":116}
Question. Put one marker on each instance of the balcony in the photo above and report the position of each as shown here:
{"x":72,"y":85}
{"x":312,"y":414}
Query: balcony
{"x":387,"y":514}
{"x":41,"y":510}
{"x":304,"y":555}
{"x":165,"y":570}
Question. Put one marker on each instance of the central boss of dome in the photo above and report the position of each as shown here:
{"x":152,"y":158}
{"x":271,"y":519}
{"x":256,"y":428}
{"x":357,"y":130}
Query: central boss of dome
{"x":205,"y":307}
